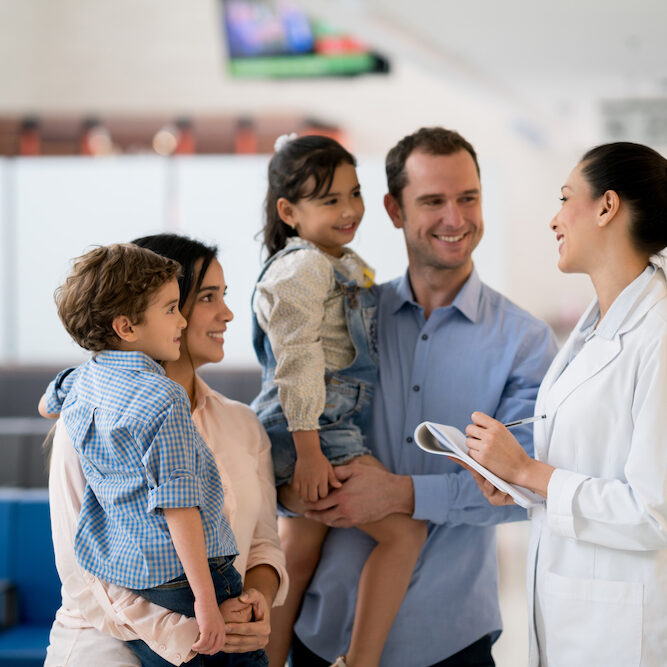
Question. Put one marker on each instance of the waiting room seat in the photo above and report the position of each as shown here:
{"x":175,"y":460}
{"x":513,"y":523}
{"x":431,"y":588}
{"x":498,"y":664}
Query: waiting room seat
{"x":28,"y":563}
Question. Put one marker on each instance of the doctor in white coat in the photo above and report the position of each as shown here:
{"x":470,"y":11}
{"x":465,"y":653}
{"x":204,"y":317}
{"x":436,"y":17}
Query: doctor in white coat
{"x":597,"y":565}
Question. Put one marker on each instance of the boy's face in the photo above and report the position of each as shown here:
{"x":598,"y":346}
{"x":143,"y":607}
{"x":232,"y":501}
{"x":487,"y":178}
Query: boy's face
{"x":159,"y":333}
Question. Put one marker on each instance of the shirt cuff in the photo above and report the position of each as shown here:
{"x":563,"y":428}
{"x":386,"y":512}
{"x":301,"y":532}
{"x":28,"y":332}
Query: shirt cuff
{"x":279,"y":567}
{"x":561,"y":490}
{"x":53,"y":401}
{"x":178,"y":492}
{"x":432,"y":501}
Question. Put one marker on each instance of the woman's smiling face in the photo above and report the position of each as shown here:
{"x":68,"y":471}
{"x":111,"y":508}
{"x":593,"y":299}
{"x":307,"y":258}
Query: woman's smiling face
{"x":207,"y":315}
{"x":576,"y":224}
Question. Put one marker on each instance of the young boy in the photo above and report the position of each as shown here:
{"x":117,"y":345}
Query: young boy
{"x":151,"y":515}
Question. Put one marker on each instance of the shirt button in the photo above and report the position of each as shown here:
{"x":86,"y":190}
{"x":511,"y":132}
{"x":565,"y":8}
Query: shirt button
{"x":408,"y":439}
{"x":178,"y":657}
{"x":424,"y":336}
{"x":162,"y":647}
{"x":415,"y":388}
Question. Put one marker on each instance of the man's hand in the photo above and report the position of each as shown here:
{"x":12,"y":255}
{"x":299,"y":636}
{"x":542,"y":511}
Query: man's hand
{"x":369,"y":493}
{"x":254,"y":633}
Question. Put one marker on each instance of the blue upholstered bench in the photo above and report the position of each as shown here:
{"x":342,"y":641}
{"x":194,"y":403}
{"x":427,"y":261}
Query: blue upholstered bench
{"x":27,"y":562}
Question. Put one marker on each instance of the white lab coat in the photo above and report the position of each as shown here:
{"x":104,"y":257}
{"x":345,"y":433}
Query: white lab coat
{"x":597,"y":562}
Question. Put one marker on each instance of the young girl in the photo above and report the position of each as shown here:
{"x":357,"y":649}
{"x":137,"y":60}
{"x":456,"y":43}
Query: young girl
{"x":314,"y":335}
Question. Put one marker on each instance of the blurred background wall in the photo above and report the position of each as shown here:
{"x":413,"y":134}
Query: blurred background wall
{"x":531,"y":84}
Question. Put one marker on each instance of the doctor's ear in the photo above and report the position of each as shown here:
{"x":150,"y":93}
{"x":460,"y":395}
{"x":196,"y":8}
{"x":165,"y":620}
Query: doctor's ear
{"x":610,"y":203}
{"x":394,"y":210}
{"x":124,"y":329}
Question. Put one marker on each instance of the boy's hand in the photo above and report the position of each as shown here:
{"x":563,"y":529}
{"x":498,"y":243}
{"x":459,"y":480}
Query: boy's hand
{"x":313,"y":474}
{"x":211,"y":627}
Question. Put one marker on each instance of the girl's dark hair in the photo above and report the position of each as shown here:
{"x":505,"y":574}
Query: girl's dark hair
{"x":187,"y":252}
{"x":289,"y":170}
{"x":638,"y":175}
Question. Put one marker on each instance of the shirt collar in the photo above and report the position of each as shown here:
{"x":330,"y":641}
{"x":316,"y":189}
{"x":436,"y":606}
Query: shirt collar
{"x":134,"y":361}
{"x":202,"y":393}
{"x":620,"y":308}
{"x":466,"y":301}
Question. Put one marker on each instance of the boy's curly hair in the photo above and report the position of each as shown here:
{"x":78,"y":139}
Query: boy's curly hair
{"x":107,"y":282}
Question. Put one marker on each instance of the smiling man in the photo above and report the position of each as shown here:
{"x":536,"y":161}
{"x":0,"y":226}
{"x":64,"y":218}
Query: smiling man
{"x":448,"y":345}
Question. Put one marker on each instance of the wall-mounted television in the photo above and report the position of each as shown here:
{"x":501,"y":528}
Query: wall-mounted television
{"x":276,"y":38}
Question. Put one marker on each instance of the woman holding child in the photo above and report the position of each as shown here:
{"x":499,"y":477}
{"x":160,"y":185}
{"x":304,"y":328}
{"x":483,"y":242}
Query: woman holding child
{"x":95,"y":615}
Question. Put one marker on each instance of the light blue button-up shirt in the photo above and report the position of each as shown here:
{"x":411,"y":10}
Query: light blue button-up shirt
{"x":481,"y":353}
{"x":140,"y":452}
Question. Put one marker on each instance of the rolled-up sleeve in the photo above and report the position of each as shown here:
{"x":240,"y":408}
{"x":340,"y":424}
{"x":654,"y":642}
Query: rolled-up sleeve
{"x":57,"y":391}
{"x":170,"y":459}
{"x":289,"y":305}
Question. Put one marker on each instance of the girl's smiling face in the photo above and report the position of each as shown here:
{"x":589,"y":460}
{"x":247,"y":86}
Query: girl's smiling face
{"x":329,"y":220}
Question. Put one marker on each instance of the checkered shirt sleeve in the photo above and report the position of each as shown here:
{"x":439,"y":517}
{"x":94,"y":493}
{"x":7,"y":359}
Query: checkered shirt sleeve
{"x":170,"y":460}
{"x":58,"y":388}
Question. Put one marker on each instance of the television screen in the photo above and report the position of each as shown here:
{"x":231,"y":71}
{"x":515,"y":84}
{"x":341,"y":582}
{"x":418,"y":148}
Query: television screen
{"x":276,"y":38}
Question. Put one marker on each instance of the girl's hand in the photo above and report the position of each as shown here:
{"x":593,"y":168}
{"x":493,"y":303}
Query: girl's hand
{"x":492,"y":445}
{"x":211,"y":627}
{"x":313,"y":474}
{"x":252,"y":634}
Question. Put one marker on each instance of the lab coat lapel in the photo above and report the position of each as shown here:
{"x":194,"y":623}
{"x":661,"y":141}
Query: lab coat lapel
{"x":597,"y":353}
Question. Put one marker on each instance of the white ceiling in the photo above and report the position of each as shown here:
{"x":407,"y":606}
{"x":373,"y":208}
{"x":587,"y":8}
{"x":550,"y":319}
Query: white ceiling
{"x":557,"y":59}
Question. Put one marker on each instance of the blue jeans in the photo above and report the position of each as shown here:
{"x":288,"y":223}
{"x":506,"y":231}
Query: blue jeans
{"x":177,"y":596}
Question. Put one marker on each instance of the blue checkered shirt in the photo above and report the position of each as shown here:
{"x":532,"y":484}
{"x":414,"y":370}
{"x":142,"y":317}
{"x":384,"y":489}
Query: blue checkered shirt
{"x":139,"y":451}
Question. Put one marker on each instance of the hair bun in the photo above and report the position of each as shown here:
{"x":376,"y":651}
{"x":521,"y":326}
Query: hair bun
{"x":283,"y":140}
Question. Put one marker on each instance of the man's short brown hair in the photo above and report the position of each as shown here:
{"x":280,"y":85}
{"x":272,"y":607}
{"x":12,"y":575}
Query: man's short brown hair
{"x":430,"y":140}
{"x":107,"y":282}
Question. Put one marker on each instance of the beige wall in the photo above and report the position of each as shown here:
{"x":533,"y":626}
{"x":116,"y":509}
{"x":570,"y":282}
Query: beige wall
{"x":90,"y":56}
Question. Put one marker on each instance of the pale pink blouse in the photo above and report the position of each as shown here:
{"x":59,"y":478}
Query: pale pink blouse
{"x":242,"y":451}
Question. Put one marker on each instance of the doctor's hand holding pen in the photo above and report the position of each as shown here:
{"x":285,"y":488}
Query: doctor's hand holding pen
{"x":492,"y":445}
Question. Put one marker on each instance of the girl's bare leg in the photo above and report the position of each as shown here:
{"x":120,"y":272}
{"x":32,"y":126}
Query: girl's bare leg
{"x":384,"y":581}
{"x":302,"y":540}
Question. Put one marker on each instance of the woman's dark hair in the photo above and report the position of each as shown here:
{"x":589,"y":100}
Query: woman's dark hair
{"x":289,"y":170}
{"x":638,"y":175}
{"x":187,"y":252}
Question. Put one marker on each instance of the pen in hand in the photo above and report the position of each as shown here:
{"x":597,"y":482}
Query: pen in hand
{"x":528,"y":420}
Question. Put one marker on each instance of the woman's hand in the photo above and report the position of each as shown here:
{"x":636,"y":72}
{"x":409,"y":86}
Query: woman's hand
{"x":492,"y":445}
{"x":491,"y":493}
{"x":313,"y":474}
{"x":248,"y":623}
